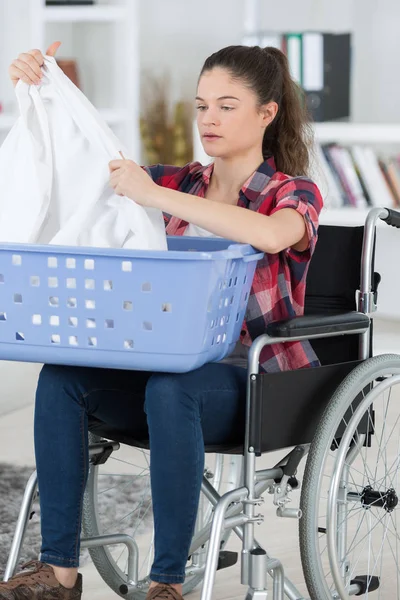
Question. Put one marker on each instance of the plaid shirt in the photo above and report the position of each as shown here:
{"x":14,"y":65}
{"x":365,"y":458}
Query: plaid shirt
{"x":279,"y":283}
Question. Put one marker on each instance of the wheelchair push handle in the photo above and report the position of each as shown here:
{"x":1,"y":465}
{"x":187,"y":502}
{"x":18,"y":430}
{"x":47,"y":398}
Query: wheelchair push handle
{"x":392,"y":218}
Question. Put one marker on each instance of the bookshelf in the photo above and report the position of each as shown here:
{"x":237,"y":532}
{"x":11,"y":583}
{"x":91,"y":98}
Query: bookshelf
{"x":386,"y":136}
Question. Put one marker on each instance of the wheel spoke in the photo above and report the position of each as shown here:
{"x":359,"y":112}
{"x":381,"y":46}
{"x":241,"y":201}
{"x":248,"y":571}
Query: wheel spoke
{"x":377,"y":459}
{"x":130,"y":464}
{"x":396,"y":563}
{"x":355,"y":512}
{"x":379,"y":521}
{"x":120,"y":486}
{"x":397,"y":548}
{"x":352,"y":545}
{"x":391,"y":432}
{"x":380,"y":553}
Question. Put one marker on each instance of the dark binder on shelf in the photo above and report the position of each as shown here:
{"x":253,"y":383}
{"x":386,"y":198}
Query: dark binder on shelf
{"x":326,"y":75}
{"x":69,"y":2}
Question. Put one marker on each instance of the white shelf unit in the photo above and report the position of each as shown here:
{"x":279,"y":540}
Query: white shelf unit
{"x":358,"y":133}
{"x":120,"y":21}
{"x":348,"y":216}
{"x":82,"y":14}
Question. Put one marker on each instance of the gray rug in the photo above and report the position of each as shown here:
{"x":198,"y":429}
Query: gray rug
{"x":120,"y":496}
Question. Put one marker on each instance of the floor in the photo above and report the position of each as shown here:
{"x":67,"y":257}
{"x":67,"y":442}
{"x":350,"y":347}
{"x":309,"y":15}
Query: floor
{"x":280,"y":536}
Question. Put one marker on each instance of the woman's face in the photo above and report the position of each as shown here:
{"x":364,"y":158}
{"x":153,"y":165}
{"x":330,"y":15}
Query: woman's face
{"x":229,"y":119}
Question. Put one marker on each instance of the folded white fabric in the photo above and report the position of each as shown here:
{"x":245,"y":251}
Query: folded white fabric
{"x":54,"y":176}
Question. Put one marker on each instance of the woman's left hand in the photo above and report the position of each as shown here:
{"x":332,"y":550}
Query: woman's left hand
{"x":129,"y":179}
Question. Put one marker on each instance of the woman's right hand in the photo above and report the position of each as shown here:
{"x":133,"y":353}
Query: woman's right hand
{"x":28,"y":65}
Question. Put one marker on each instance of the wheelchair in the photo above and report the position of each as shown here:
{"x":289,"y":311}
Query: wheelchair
{"x":340,"y":418}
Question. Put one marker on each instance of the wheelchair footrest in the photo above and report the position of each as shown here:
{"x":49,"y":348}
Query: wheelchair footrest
{"x":367,"y":583}
{"x":226,"y":559}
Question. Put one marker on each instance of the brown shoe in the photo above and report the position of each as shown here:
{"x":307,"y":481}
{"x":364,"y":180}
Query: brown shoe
{"x":162,"y":591}
{"x":38,"y":582}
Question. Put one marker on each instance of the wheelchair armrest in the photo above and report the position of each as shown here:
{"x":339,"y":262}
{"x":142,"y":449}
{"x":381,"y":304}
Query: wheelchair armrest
{"x":319,"y":325}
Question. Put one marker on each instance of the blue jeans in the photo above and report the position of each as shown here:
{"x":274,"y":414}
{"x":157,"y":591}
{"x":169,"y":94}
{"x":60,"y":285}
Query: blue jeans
{"x":178,"y":413}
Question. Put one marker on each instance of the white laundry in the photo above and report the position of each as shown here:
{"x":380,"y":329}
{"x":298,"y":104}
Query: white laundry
{"x":54,"y":176}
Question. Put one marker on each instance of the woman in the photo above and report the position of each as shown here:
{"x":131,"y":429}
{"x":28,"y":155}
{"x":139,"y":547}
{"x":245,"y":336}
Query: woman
{"x":252,"y":121}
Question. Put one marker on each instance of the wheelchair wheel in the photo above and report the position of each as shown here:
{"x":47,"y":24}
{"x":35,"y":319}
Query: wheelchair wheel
{"x":349,"y":539}
{"x":104,"y":512}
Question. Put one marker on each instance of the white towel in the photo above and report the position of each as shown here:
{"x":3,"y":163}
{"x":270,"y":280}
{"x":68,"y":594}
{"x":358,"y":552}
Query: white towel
{"x":54,"y":176}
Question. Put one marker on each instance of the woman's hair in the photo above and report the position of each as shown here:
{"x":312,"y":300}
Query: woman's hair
{"x":288,"y":138}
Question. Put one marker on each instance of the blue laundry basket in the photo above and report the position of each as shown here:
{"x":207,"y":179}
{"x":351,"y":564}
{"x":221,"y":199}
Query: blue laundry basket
{"x":144,"y":310}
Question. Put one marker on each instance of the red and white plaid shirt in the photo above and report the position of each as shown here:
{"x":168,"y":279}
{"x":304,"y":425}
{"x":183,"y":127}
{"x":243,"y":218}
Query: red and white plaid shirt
{"x":279,"y":283}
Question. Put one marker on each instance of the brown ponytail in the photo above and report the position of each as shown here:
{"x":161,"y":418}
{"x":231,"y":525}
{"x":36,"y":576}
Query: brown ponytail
{"x":266,"y":71}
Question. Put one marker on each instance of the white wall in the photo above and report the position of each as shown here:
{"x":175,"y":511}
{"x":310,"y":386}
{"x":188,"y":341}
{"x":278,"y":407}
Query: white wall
{"x":177,"y":35}
{"x":14,"y":30}
{"x":307,"y":14}
{"x":18,"y":385}
{"x":376,"y":89}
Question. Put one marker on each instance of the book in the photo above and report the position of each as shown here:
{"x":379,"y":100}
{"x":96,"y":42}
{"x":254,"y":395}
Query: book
{"x":371,"y":173}
{"x":343,"y":195}
{"x":321,"y":173}
{"x":336,"y":155}
{"x":358,"y":197}
{"x":394,"y":174}
{"x":391,"y":181}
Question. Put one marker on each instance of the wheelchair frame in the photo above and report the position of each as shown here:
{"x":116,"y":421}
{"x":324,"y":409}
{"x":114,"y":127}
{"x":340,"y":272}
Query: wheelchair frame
{"x":255,"y":563}
{"x":235,"y":510}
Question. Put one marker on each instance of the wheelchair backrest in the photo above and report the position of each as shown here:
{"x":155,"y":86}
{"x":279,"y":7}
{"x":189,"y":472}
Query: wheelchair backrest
{"x":332,"y":281}
{"x":286,"y":407}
